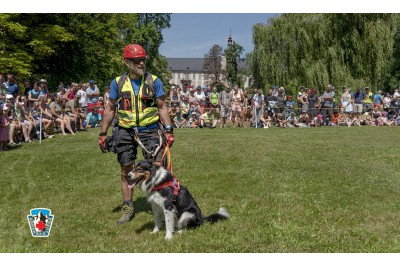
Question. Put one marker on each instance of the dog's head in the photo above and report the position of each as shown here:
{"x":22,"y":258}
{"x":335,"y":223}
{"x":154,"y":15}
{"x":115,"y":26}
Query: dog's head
{"x":142,"y":171}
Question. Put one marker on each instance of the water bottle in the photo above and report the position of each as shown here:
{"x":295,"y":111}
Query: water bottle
{"x":84,"y":124}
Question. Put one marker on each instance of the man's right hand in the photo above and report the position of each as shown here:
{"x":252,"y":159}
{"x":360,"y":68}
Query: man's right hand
{"x":102,"y":142}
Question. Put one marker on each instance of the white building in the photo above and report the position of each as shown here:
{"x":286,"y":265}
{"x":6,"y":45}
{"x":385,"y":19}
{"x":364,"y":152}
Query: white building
{"x":189,"y":72}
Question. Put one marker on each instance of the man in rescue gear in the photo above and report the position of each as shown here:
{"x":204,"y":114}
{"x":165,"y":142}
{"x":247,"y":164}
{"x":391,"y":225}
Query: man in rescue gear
{"x":138,"y":102}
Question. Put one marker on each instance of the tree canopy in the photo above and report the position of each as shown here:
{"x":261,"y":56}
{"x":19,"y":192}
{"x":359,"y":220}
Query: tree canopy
{"x":316,"y":49}
{"x":78,"y":47}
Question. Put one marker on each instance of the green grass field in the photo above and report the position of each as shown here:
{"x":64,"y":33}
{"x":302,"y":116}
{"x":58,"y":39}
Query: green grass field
{"x":287,"y":190}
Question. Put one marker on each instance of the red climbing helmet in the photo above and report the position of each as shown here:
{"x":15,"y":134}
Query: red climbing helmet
{"x":134,"y":51}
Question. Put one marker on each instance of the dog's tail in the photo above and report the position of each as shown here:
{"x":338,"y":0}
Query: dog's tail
{"x":222,"y":214}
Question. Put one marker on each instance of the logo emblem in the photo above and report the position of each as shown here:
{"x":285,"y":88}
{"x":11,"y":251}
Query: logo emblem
{"x":40,"y":221}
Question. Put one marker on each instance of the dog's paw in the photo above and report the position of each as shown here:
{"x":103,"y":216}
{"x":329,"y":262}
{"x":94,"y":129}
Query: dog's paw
{"x":168,"y":236}
{"x":155,"y":230}
{"x":180,"y":231}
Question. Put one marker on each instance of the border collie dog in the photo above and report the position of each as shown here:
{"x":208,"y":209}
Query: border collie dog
{"x":170,"y":201}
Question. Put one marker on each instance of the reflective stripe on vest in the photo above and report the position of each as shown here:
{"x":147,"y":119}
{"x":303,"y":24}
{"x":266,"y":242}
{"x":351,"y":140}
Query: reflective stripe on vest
{"x":136,"y":111}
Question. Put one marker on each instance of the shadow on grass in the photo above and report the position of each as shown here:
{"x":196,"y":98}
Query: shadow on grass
{"x":140,"y":205}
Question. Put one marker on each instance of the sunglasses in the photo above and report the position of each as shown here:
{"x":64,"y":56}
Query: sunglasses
{"x":138,"y":60}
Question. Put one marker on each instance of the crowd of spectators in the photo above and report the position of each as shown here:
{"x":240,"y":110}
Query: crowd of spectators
{"x":33,"y":113}
{"x":201,"y":106}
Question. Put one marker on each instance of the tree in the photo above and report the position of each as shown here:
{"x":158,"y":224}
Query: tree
{"x":233,"y":53}
{"x":212,"y":64}
{"x":78,"y":47}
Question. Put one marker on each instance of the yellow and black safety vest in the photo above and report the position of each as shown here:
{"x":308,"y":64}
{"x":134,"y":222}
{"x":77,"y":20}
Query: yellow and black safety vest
{"x":138,"y":110}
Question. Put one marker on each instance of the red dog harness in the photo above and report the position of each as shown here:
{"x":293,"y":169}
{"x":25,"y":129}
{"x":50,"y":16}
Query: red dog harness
{"x":174,"y":184}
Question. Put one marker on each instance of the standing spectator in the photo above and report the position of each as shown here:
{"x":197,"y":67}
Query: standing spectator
{"x":377,"y":102}
{"x":194,"y":103}
{"x":215,"y":101}
{"x":11,"y":87}
{"x":27,"y":87}
{"x":280,"y":100}
{"x":396,"y":100}
{"x":184,"y":107}
{"x":184,"y":92}
{"x":93,"y":94}
{"x":369,"y":97}
{"x":271,"y":100}
{"x":82,"y":97}
{"x":201,"y":99}
{"x":289,"y":105}
{"x":106,"y":95}
{"x":3,"y":128}
{"x":225,"y":104}
{"x":299,"y":96}
{"x":258,"y":106}
{"x":237,"y":100}
{"x":327,"y":106}
{"x":175,"y":98}
{"x":346,"y":100}
{"x":33,"y":95}
{"x":313,"y":102}
{"x":358,"y":99}
{"x":43,"y":88}
{"x":386,"y":102}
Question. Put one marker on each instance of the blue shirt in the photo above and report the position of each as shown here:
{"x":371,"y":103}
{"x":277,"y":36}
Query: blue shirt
{"x":93,"y":119}
{"x":158,"y":90}
{"x":12,"y":89}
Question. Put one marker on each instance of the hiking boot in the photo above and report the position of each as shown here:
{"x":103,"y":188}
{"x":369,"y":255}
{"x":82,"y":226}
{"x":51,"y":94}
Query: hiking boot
{"x":128,"y":213}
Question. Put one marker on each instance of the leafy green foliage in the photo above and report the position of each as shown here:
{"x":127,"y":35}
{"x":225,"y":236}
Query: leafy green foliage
{"x":316,"y":49}
{"x":78,"y":47}
{"x":232,"y":54}
{"x":212,"y":65}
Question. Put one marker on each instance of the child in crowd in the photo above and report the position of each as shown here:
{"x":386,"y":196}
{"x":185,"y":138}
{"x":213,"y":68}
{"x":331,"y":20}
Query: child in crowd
{"x":193,"y":122}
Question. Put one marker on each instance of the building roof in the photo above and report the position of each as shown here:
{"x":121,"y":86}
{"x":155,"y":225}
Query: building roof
{"x":192,"y":64}
{"x":185,"y":64}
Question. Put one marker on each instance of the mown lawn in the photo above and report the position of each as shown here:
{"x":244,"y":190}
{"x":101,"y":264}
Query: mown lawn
{"x":287,"y":190}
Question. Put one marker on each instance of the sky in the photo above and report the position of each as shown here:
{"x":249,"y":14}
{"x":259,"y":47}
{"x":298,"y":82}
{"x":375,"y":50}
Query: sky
{"x":192,"y":35}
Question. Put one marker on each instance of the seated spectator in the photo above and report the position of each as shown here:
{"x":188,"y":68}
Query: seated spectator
{"x":353,"y":120}
{"x":73,"y":110}
{"x":59,"y":116}
{"x":179,"y":121}
{"x":207,"y":119}
{"x":377,"y":115}
{"x":335,"y":118}
{"x":281,"y":122}
{"x":94,"y":118}
{"x":367,"y":119}
{"x":193,"y":121}
{"x":40,"y":122}
{"x":266,"y":119}
{"x":385,"y":119}
{"x":318,"y":121}
{"x":292,"y":120}
{"x":304,"y":118}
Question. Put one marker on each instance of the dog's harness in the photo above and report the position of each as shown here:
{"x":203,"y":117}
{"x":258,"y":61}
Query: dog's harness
{"x":174,"y":184}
